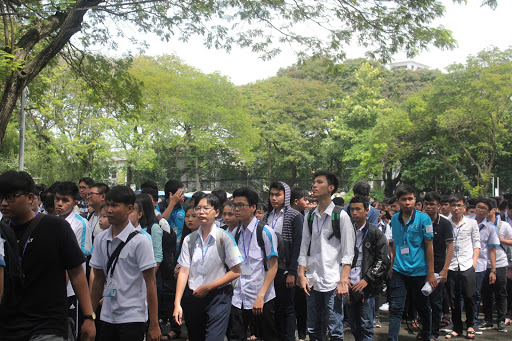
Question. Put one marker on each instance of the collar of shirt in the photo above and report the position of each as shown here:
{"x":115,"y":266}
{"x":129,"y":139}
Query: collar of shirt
{"x":124,"y":233}
{"x":213,"y":233}
{"x":327,"y":211}
{"x":462,"y":222}
{"x":251,"y":226}
{"x":436,"y":221}
{"x":361,"y":230}
{"x":411,"y":219}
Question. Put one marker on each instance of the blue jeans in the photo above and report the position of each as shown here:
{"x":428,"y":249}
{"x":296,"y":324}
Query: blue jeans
{"x":318,"y":302}
{"x":361,"y":318}
{"x":477,"y":296}
{"x":399,"y":286}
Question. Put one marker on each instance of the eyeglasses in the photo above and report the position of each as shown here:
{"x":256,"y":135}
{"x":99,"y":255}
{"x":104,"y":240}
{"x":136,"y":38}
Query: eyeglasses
{"x":10,"y":197}
{"x":91,"y":194}
{"x":239,"y":206}
{"x":482,"y":208}
{"x":456,"y":205}
{"x":204,"y":209}
{"x":83,"y":187}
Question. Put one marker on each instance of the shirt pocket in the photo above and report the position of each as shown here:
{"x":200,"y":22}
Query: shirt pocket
{"x":415,"y":237}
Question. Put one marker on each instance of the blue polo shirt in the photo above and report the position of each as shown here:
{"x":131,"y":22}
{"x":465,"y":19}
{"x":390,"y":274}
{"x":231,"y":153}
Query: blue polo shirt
{"x":176,"y":221}
{"x":411,"y":235}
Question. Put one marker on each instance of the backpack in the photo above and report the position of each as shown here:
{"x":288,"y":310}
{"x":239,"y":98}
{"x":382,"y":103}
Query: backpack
{"x":335,"y":219}
{"x":259,"y":238}
{"x":169,"y":259}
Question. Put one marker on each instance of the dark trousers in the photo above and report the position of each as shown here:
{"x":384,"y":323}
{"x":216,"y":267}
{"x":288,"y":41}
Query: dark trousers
{"x":266,"y":322}
{"x":361,"y":315}
{"x":399,"y":286}
{"x":509,"y":296}
{"x":436,"y":303}
{"x":208,"y":317}
{"x":285,"y":310}
{"x":301,"y":312}
{"x":462,"y":283}
{"x":133,"y":331}
{"x":499,"y":289}
{"x":479,"y":277}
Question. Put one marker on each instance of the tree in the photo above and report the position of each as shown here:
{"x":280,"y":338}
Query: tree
{"x":34,"y":32}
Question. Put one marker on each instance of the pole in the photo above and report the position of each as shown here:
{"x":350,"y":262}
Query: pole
{"x":22,"y":129}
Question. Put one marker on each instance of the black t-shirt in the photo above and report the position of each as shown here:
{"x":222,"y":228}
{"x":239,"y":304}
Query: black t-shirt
{"x":52,"y":249}
{"x":443,"y":232}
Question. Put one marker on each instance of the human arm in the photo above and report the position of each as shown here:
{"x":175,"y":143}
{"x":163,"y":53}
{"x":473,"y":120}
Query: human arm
{"x":380,"y":265}
{"x":293,"y":264}
{"x":173,"y":200}
{"x":475,"y":239}
{"x":302,"y":260}
{"x":492,"y":258}
{"x":180,"y":288}
{"x":447,"y":261}
{"x":391,"y":256}
{"x":97,"y":287}
{"x":228,"y":277}
{"x":257,"y":308}
{"x":154,"y":332}
{"x":429,"y":254}
{"x":342,"y":288}
{"x":303,"y":281}
{"x":156,"y":239}
{"x":79,"y":283}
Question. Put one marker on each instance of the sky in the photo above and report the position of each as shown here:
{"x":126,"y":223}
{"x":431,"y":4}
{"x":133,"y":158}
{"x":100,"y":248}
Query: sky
{"x":474,"y":27}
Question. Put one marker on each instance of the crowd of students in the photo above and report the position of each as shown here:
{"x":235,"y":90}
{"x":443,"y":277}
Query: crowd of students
{"x":89,"y":261}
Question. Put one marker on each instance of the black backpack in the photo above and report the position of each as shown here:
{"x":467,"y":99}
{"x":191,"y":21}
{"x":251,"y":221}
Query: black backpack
{"x":166,"y":268}
{"x":259,"y":238}
{"x":335,"y":219}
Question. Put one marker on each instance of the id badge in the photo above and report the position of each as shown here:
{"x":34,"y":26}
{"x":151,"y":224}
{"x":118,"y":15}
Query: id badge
{"x":456,"y":248}
{"x":404,"y":250}
{"x":246,"y":270}
{"x":358,"y":263}
{"x":109,"y":290}
{"x":201,"y":269}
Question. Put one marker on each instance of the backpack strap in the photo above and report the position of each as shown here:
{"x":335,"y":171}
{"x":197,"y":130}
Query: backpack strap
{"x":261,"y":242}
{"x":335,"y":219}
{"x":219,"y":241}
{"x":499,"y":224}
{"x":191,"y":243}
{"x":311,"y":216}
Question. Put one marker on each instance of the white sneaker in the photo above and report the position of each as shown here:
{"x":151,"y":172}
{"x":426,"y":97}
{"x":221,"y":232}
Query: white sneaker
{"x":384,"y":307}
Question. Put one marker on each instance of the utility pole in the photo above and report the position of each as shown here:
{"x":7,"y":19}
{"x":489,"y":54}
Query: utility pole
{"x":22,"y":129}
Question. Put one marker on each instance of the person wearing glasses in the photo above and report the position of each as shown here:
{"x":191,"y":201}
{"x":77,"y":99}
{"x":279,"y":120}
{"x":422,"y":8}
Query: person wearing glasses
{"x":461,"y":276}
{"x":96,"y":199}
{"x":84,"y":186}
{"x":209,"y":261}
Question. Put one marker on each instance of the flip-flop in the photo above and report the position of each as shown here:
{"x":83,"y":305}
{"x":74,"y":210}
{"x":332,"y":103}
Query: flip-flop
{"x":470,"y":334}
{"x":169,"y":336}
{"x":452,"y":335}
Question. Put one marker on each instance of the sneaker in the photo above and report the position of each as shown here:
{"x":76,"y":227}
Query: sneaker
{"x":484,"y":325}
{"x":384,"y":307}
{"x":501,"y":327}
{"x":376,"y":324}
{"x":447,"y":329}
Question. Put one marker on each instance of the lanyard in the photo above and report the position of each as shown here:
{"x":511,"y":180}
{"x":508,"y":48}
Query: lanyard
{"x":458,"y":231}
{"x":274,"y":220}
{"x":26,"y":242}
{"x":362,"y":240}
{"x":204,"y":252}
{"x":319,"y":229}
{"x":250,"y":239}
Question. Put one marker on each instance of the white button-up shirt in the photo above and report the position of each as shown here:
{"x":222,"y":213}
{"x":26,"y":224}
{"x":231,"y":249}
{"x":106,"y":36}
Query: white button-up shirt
{"x":129,"y":304}
{"x":249,"y":285}
{"x":466,"y":238}
{"x":326,"y":256}
{"x":505,"y":232}
{"x":276,"y":222}
{"x":83,"y":234}
{"x":355,"y":272}
{"x":205,"y":264}
{"x":488,"y":238}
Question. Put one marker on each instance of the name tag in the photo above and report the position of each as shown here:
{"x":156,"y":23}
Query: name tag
{"x":429,"y":228}
{"x":358,"y":263}
{"x":109,"y":290}
{"x":404,"y":250}
{"x":246,"y":270}
{"x":456,"y":248}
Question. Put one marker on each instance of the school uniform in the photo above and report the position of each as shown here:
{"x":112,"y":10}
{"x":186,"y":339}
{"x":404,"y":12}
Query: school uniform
{"x":208,"y":316}
{"x":124,"y":311}
{"x":250,"y":283}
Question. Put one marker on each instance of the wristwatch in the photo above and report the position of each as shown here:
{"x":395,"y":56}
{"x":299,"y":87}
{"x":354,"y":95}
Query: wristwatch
{"x":90,"y":317}
{"x":493,"y":271}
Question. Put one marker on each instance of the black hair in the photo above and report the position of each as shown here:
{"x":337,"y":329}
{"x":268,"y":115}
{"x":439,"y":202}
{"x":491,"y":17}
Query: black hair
{"x":392,"y":200}
{"x":277,"y":185}
{"x":187,"y":206}
{"x":102,"y":188}
{"x":331,"y":178}
{"x":86,"y":180}
{"x":405,"y":189}
{"x":151,"y":192}
{"x":121,"y":194}
{"x":507,"y":197}
{"x":228,"y":202}
{"x":503,"y":206}
{"x":149,"y":184}
{"x":197,"y":196}
{"x":211,"y":200}
{"x":148,"y":211}
{"x":13,"y":181}
{"x":432,"y":196}
{"x":361,"y":188}
{"x":494,"y":203}
{"x":172,"y":186}
{"x":363,"y":199}
{"x":41,"y":188}
{"x":298,"y":193}
{"x":339,"y":201}
{"x":386,"y":214}
{"x":262,"y":205}
{"x":445,"y":198}
{"x":472,"y":201}
{"x":457,"y":197}
{"x":67,"y":188}
{"x":221,"y":195}
{"x":248,"y":193}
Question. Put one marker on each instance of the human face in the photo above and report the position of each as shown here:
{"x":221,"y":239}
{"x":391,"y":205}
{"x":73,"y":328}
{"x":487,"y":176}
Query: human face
{"x":205,"y":212}
{"x":431,"y":208}
{"x":277,"y":198}
{"x":135,"y":215}
{"x":243,"y":211}
{"x":482,"y":210}
{"x":103,"y":222}
{"x":260,"y":213}
{"x":321,"y":188}
{"x":117,"y":213}
{"x":35,"y":204}
{"x":94,"y":197}
{"x":406,"y":202}
{"x":64,"y":204}
{"x":418,"y":205}
{"x":445,"y":209}
{"x":191,"y":219}
{"x":83,"y":189}
{"x":457,"y":208}
{"x":358,"y":213}
{"x":229,"y":216}
{"x":16,"y":206}
{"x":301,"y":204}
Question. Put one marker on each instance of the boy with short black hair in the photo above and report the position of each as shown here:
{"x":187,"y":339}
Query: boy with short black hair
{"x":124,"y":272}
{"x":84,"y":185}
{"x":299,"y":199}
{"x":172,"y":207}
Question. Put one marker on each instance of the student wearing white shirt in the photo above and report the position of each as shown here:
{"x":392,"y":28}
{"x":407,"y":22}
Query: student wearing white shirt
{"x":328,"y":261}
{"x":207,"y":276}
{"x":124,"y":274}
{"x":96,"y":199}
{"x":461,"y":276}
{"x":253,"y":298}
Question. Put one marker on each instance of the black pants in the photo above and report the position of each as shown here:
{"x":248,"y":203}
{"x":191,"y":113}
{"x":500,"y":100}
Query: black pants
{"x":133,"y":331}
{"x":285,"y":310}
{"x":436,"y":303}
{"x":301,"y":312}
{"x":240,"y":319}
{"x":462,"y":283}
{"x":499,"y":289}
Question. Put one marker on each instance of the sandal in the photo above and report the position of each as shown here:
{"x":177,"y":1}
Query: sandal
{"x":452,"y":335}
{"x":170,"y":336}
{"x":470,"y":334}
{"x":415,"y":324}
{"x":445,"y":321}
